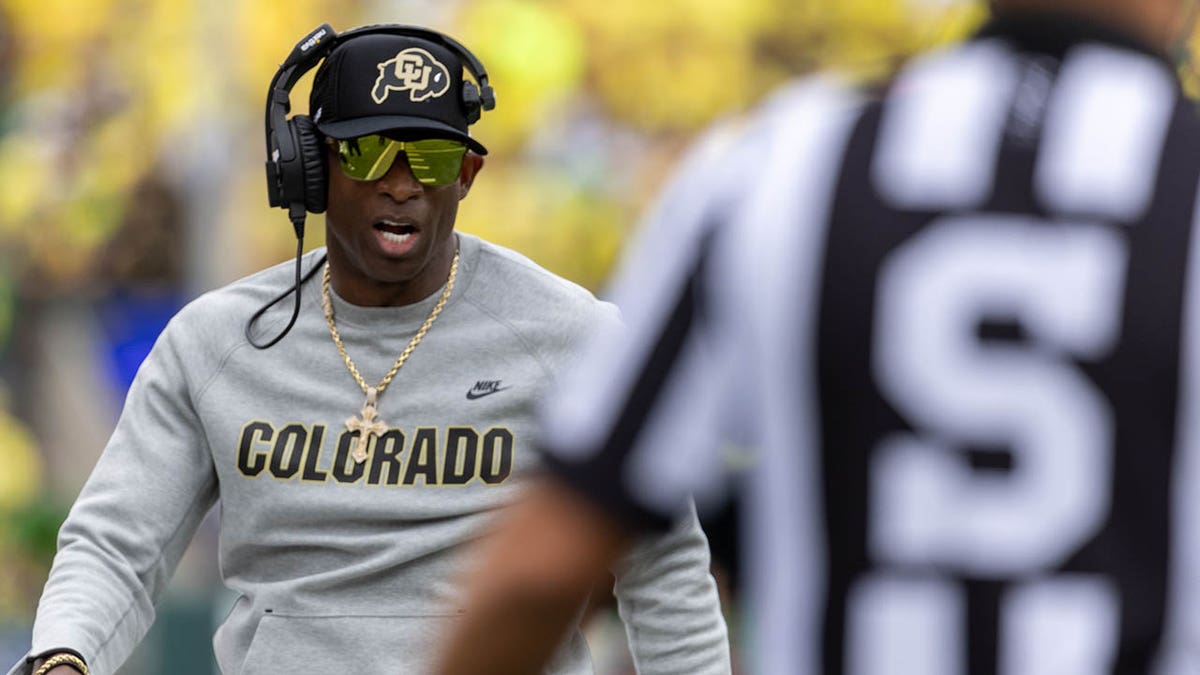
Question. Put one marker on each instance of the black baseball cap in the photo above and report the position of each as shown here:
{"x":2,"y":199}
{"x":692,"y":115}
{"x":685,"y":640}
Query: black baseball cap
{"x":398,"y":85}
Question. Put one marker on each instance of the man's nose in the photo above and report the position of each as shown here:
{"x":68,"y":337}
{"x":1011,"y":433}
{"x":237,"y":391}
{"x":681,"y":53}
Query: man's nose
{"x":399,"y":182}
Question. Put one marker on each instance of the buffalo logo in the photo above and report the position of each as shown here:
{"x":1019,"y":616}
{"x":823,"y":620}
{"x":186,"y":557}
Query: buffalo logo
{"x":413,"y":70}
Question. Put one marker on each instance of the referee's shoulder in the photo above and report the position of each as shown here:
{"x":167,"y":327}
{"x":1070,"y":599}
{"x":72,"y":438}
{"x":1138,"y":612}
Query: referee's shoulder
{"x":732,"y":159}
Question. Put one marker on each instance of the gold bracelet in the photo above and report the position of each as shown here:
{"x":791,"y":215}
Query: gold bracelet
{"x":63,"y":659}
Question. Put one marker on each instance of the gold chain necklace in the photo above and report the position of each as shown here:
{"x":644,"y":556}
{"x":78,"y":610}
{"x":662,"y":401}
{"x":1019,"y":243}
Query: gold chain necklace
{"x":367,"y":422}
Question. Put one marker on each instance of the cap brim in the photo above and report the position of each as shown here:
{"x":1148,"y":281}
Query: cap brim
{"x":398,"y":125}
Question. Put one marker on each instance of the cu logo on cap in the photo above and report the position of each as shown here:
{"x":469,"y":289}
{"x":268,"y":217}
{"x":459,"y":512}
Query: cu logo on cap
{"x":413,"y":70}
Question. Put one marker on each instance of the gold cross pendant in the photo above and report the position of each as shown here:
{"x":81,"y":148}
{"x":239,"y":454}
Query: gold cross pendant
{"x":367,"y":424}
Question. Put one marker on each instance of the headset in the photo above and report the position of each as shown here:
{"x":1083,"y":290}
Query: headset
{"x":297,"y":177}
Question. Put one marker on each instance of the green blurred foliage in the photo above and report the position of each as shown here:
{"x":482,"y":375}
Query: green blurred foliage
{"x":101,"y":91}
{"x":21,"y":478}
{"x":28,"y":521}
{"x":34,"y":531}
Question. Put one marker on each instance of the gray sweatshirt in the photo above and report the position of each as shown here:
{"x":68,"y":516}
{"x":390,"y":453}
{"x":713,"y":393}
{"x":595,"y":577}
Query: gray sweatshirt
{"x":341,"y":566}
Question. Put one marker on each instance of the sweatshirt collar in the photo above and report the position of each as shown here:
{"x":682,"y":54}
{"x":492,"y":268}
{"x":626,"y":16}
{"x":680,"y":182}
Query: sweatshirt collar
{"x":407,"y":317}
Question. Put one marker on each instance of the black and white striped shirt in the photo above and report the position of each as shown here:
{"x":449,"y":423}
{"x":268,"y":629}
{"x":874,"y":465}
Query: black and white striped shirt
{"x":960,"y":326}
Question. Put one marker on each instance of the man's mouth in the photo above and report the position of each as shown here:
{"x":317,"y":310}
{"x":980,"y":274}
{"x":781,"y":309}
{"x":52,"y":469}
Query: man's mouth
{"x":395,"y":232}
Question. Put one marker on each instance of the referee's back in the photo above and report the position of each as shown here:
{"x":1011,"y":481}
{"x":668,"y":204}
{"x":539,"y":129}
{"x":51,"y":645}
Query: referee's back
{"x":960,"y":325}
{"x":962,"y":322}
{"x":1006,"y":335}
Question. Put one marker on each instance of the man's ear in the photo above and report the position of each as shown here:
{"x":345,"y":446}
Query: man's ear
{"x":471,"y":165}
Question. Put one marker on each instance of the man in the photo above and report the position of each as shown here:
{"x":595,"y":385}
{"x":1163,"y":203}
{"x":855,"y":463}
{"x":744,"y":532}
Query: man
{"x":353,"y":458}
{"x":961,"y":322}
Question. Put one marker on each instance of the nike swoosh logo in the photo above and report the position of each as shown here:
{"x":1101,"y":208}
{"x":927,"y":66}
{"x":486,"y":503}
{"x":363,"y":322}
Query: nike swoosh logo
{"x":471,"y":395}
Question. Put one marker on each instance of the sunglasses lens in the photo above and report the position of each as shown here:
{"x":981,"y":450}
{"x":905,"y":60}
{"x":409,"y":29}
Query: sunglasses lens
{"x":433,"y":161}
{"x":366,"y":157}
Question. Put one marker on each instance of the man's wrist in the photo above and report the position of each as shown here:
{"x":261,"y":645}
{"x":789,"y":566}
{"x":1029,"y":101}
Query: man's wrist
{"x":45,"y":664}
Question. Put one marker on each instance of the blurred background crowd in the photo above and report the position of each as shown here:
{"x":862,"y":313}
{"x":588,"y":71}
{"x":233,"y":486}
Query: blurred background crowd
{"x":131,"y":180}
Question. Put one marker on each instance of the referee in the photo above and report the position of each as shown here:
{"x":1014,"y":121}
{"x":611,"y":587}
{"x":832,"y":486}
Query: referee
{"x":962,"y":325}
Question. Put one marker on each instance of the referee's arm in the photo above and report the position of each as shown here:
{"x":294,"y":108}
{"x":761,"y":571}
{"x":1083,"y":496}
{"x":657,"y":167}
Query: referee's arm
{"x":564,"y":536}
{"x":521,"y":604}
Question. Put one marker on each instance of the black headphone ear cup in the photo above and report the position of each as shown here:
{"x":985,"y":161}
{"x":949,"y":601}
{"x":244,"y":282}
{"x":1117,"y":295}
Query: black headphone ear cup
{"x":472,"y":103}
{"x":310,"y":145}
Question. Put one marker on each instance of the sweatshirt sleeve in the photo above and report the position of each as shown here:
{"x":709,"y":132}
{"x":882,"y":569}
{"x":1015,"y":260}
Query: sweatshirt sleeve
{"x":667,"y":599}
{"x":131,"y":523}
